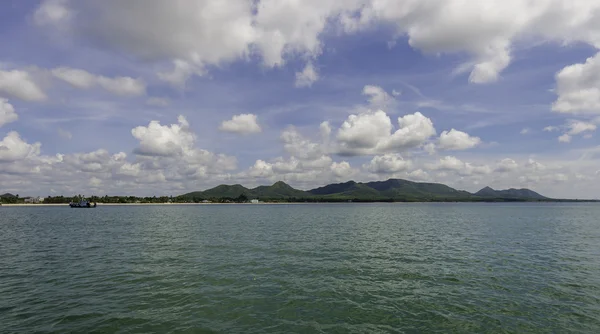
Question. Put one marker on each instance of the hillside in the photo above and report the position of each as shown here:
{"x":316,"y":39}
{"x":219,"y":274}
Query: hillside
{"x":7,"y":195}
{"x":389,"y":190}
{"x":279,"y":190}
{"x":397,"y":188}
{"x":347,"y":190}
{"x":509,"y":193}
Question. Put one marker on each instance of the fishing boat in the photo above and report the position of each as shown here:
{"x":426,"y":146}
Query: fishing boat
{"x":82,"y":204}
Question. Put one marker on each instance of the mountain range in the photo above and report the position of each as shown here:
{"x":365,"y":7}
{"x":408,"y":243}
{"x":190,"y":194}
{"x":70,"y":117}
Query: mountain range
{"x":389,"y":190}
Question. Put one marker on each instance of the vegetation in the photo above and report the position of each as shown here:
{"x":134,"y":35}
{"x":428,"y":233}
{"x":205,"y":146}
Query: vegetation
{"x":392,"y":190}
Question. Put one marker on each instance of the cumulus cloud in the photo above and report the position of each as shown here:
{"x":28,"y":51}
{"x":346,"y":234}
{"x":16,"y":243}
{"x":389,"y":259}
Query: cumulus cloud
{"x":578,"y":87}
{"x":200,"y":33}
{"x":388,"y":164}
{"x":51,"y":12}
{"x":13,"y":148}
{"x":370,"y":133}
{"x":525,"y":131}
{"x":574,"y":128}
{"x":241,"y":124}
{"x":565,"y":138}
{"x":451,"y":163}
{"x":341,"y":170}
{"x":301,"y":147}
{"x":7,"y":112}
{"x":20,"y":85}
{"x":578,"y":127}
{"x":378,"y":97}
{"x":506,"y":165}
{"x":123,"y":86}
{"x":457,"y":140}
{"x":485,"y":29}
{"x":307,"y":77}
{"x":551,"y":128}
{"x":164,"y":140}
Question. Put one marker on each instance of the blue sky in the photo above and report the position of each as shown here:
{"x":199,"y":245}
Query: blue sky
{"x":401,"y":58}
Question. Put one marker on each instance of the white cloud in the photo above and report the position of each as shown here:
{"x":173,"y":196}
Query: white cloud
{"x":52,"y":12}
{"x":241,"y":124}
{"x":579,"y":127}
{"x":419,"y":175}
{"x":20,"y":85}
{"x":123,"y":86}
{"x":325,"y":130}
{"x":307,"y":77}
{"x":575,"y":127}
{"x":311,"y":173}
{"x":566,"y":138}
{"x":13,"y":148}
{"x":370,"y":133}
{"x":342,"y":169}
{"x":388,"y":164}
{"x":457,"y":140}
{"x":484,"y":29}
{"x":525,"y":131}
{"x":182,"y":70}
{"x":507,"y":165}
{"x":297,"y":145}
{"x":430,"y":148}
{"x":551,"y":128}
{"x":450,"y":163}
{"x":578,"y":87}
{"x":7,"y":112}
{"x":164,"y":140}
{"x":378,"y":97}
{"x":217,"y":31}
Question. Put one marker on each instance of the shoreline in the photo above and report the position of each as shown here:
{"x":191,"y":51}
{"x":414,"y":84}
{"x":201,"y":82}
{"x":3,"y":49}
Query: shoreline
{"x":285,"y":203}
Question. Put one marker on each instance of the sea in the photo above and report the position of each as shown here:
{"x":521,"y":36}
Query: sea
{"x":301,"y":268}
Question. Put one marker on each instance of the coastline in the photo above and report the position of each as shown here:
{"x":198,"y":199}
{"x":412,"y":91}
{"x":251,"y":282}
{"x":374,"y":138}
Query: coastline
{"x":154,"y":204}
{"x":292,"y":203}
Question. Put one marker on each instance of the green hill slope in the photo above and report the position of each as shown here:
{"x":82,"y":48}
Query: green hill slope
{"x":389,"y":190}
{"x":403,"y":189}
{"x":509,"y":193}
{"x":278,"y":190}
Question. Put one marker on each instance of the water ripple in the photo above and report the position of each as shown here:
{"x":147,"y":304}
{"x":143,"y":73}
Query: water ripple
{"x":378,"y":268}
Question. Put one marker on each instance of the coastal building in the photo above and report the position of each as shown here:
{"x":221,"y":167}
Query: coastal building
{"x":34,"y":200}
{"x":254,"y":201}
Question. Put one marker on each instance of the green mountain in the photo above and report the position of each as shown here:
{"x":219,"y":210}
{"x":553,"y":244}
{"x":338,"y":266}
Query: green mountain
{"x":279,"y":190}
{"x":509,"y":193}
{"x":225,"y":191}
{"x":7,"y":195}
{"x":397,"y":188}
{"x":389,"y":190}
{"x":347,"y":190}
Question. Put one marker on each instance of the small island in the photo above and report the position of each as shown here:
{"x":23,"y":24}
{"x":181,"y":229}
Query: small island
{"x":391,"y":190}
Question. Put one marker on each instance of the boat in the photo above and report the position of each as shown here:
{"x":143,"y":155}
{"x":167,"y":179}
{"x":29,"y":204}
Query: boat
{"x":82,"y":204}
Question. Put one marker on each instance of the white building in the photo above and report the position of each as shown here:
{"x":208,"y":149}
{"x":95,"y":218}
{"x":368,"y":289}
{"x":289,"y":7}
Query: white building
{"x":34,"y":200}
{"x":253,"y":201}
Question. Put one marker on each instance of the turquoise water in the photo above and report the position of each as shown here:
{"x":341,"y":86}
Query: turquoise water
{"x":319,"y":268}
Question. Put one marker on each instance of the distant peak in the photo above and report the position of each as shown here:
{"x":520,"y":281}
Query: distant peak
{"x":280,"y":184}
{"x":488,"y":188}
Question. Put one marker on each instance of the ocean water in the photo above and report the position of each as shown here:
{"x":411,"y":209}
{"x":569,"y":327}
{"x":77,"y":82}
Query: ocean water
{"x":316,"y":268}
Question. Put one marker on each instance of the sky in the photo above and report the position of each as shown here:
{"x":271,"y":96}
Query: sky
{"x":152,"y":97}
